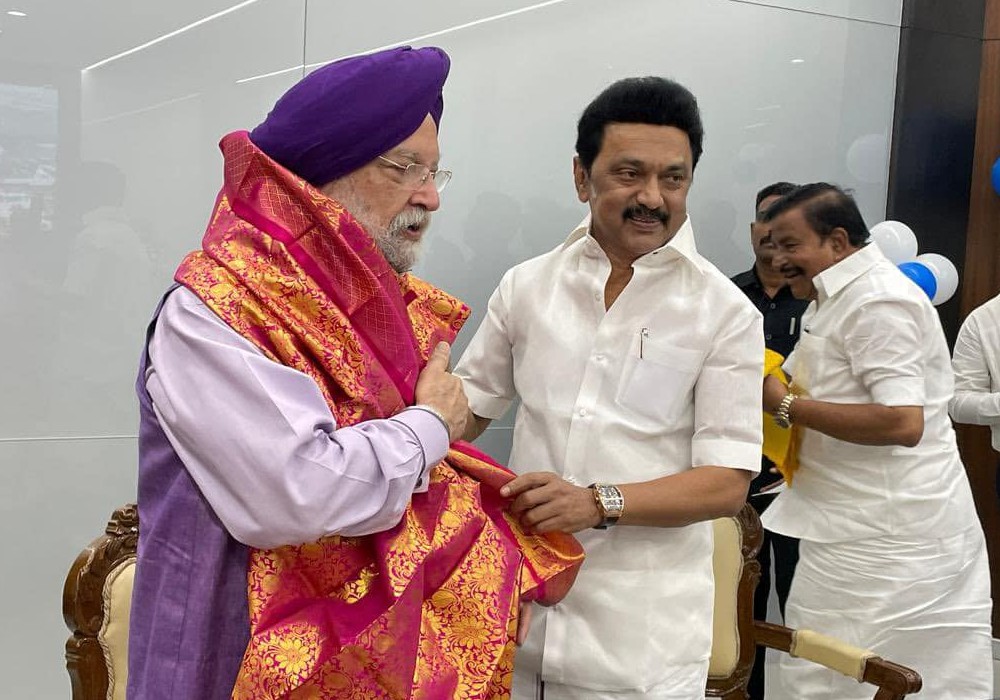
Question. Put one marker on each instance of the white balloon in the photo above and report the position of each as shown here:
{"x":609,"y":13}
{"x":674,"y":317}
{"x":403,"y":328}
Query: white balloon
{"x":944,"y":272}
{"x":896,"y":240}
{"x":867,"y":157}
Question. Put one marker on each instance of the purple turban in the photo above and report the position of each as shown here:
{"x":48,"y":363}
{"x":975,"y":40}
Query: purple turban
{"x":347,"y":113}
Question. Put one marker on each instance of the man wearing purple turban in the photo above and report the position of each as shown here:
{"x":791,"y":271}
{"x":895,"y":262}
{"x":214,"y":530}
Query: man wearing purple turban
{"x":308,"y":529}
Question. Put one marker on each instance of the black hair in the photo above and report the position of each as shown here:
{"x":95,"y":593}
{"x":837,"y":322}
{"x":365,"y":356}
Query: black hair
{"x":779,"y":189}
{"x":649,"y":100}
{"x":825,"y":207}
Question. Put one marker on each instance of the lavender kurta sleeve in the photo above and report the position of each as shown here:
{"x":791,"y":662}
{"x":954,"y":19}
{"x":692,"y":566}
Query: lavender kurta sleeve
{"x":261,"y":443}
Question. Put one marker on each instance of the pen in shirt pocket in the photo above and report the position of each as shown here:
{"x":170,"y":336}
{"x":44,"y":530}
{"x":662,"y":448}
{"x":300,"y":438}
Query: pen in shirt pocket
{"x":643,"y":335}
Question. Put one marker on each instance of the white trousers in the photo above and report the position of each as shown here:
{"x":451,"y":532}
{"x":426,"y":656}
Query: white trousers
{"x":920,"y":602}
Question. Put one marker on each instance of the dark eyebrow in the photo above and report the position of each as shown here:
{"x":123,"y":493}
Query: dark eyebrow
{"x":632,"y":162}
{"x":676,"y":168}
{"x":639,"y":164}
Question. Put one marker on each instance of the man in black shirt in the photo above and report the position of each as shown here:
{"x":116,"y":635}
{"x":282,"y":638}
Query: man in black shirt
{"x":766,"y":288}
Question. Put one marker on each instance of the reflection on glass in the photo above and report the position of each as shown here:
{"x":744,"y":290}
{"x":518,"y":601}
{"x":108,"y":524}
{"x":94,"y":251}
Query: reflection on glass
{"x":102,"y":308}
{"x":29,"y":119}
{"x":30,"y":257}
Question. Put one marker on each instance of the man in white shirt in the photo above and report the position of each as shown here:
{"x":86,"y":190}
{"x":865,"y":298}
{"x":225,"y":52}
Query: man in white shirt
{"x":892,"y":556}
{"x":638,"y":367}
{"x":976,"y":362}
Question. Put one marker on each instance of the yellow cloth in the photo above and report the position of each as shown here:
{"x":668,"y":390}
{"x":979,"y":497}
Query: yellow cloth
{"x":781,"y":445}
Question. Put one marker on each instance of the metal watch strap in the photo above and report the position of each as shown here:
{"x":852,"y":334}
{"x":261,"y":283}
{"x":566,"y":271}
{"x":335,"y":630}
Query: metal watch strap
{"x":782,"y":415}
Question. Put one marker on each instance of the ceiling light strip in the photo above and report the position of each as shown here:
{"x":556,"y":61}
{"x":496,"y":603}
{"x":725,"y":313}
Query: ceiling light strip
{"x":170,"y":35}
{"x":141,"y":110}
{"x":269,"y":75}
{"x":411,"y":40}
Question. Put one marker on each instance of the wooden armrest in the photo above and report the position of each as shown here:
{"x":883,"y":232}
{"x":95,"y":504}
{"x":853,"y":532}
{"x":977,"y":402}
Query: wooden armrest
{"x":894,"y":681}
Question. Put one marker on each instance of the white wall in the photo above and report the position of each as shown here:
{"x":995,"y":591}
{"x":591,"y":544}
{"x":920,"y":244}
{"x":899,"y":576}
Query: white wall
{"x":798,"y":91}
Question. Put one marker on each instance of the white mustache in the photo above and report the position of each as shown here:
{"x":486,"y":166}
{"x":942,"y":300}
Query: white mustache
{"x":413,"y":217}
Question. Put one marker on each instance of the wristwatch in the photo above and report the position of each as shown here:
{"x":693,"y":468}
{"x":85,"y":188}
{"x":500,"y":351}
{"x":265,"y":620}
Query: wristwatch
{"x":782,"y":417}
{"x":610,"y":504}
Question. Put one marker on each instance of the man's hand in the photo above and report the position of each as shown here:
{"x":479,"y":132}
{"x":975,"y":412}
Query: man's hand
{"x":774,"y":392}
{"x":544,"y":502}
{"x":439,"y":389}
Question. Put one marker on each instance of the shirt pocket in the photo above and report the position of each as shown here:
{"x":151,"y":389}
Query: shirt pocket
{"x":809,"y":362}
{"x":658,"y":385}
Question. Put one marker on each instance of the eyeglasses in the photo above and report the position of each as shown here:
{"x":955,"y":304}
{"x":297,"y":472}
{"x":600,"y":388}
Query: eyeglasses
{"x":416,"y":174}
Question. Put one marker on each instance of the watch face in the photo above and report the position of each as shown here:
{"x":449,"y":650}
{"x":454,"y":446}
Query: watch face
{"x":611,"y":499}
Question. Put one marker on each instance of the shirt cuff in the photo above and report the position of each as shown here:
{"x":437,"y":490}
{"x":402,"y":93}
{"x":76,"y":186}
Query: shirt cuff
{"x":432,"y":435}
{"x":726,"y":453}
{"x":485,"y":405}
{"x":899,"y":391}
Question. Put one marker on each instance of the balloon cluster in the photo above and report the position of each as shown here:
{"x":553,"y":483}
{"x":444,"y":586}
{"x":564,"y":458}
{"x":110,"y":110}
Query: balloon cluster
{"x":933,"y":273}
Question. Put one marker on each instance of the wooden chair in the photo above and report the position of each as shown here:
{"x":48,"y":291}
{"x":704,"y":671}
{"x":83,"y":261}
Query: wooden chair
{"x":736,"y":634}
{"x":97,"y":597}
{"x":98,"y":593}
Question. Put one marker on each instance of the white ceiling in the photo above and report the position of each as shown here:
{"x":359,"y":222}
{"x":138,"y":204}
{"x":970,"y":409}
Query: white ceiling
{"x":73,"y":34}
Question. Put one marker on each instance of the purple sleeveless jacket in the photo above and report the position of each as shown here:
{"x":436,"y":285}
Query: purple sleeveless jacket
{"x":189,"y":622}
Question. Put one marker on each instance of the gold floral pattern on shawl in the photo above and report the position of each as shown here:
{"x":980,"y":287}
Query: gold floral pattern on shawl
{"x":424,"y":610}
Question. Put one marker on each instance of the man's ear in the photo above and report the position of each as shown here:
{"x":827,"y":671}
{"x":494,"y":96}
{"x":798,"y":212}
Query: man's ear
{"x":581,"y":178}
{"x":840,"y":242}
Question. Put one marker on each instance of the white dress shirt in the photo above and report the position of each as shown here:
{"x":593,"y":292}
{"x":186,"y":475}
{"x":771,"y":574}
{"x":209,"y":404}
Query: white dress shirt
{"x":261,"y":443}
{"x":976,"y":362}
{"x":667,"y":379}
{"x":872,"y":336}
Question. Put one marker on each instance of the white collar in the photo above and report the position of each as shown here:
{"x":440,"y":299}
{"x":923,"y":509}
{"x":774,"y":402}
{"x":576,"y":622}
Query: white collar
{"x":833,"y":279}
{"x":681,"y":245}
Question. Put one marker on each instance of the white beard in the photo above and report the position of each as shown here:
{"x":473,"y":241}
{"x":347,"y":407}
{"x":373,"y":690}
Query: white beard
{"x":399,"y":251}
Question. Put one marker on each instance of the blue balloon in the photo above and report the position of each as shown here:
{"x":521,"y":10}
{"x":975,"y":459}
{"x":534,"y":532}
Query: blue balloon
{"x":921,"y":276}
{"x":995,"y":176}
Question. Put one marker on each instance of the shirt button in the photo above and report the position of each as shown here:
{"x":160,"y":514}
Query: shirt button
{"x":598,"y":358}
{"x":597,"y":295}
{"x":772,"y":305}
{"x":582,"y":413}
{"x":767,"y":337}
